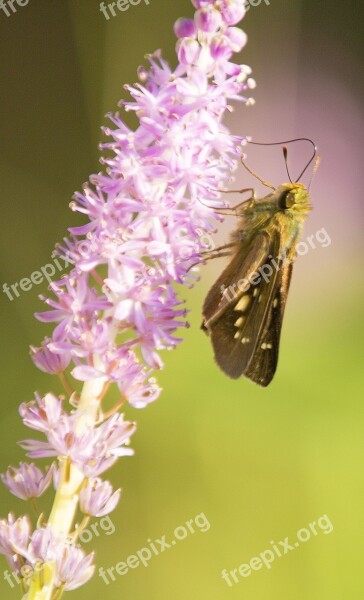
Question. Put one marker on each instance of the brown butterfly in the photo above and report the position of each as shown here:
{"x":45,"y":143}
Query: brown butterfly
{"x":244,"y":309}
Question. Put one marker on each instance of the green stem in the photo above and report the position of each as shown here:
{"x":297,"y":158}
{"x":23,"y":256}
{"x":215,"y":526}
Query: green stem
{"x":35,"y":507}
{"x":65,"y":383}
{"x":85,"y":521}
{"x":65,"y":503}
{"x":59,"y":593}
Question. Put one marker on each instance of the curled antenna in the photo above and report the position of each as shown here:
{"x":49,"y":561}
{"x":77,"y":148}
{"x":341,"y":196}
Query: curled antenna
{"x":291,"y":142}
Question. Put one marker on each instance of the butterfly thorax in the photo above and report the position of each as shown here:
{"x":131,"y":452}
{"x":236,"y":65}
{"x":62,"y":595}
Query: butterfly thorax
{"x":285,"y":210}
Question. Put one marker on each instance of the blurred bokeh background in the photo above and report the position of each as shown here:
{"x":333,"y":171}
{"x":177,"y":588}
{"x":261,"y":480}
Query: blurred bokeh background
{"x":260,"y":463}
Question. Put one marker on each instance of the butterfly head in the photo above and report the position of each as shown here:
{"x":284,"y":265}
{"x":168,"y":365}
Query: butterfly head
{"x":293,"y":197}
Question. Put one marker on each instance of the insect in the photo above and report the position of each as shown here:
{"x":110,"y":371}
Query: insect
{"x":244,"y":309}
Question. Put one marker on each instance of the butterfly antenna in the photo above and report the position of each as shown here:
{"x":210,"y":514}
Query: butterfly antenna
{"x":285,"y":154}
{"x":292,"y":142}
{"x":309,"y":162}
{"x":256,"y":176}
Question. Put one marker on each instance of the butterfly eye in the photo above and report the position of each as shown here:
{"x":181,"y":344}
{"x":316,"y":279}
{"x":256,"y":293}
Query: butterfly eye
{"x":286,"y":200}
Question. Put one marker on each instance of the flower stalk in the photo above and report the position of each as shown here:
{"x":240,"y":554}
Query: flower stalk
{"x":148,"y":216}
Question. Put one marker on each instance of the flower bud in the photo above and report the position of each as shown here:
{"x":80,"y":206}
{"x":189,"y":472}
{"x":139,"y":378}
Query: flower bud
{"x":188,"y":51}
{"x":232,"y":11}
{"x":97,"y":498}
{"x":208,"y":19}
{"x":237,"y":38}
{"x":185,"y":28}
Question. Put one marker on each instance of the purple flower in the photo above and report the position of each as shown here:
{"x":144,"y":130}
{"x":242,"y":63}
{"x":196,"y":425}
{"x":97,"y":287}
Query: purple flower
{"x":232,"y":11}
{"x":85,"y":447}
{"x":188,"y":51}
{"x":75,"y":300}
{"x":100,"y":464}
{"x":43,"y":545}
{"x":208,"y":19}
{"x":49,"y":361}
{"x":97,"y":498}
{"x":112,"y":435}
{"x":185,"y":28}
{"x":27,"y":481}
{"x":236,"y":37}
{"x":63,"y":441}
{"x":42,"y":413}
{"x":122,"y":366}
{"x":14,"y":538}
{"x":146,"y":215}
{"x":73,"y":567}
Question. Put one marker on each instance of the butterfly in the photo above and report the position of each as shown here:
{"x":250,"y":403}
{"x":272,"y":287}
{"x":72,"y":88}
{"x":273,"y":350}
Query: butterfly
{"x":243,"y":311}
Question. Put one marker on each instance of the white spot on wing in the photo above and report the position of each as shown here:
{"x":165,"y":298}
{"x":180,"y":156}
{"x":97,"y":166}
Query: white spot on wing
{"x":243,"y":303}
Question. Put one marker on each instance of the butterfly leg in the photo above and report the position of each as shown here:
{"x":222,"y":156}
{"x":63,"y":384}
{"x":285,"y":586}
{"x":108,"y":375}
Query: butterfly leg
{"x":233,"y":209}
{"x":216,"y":255}
{"x":219,"y":252}
{"x":252,"y":190}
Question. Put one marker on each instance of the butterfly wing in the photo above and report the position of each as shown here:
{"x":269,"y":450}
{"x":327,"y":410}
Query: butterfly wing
{"x":263,"y":363}
{"x":245,"y":330}
{"x":247,"y":259}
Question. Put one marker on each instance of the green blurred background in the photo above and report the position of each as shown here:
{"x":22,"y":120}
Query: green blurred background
{"x":260,"y":463}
